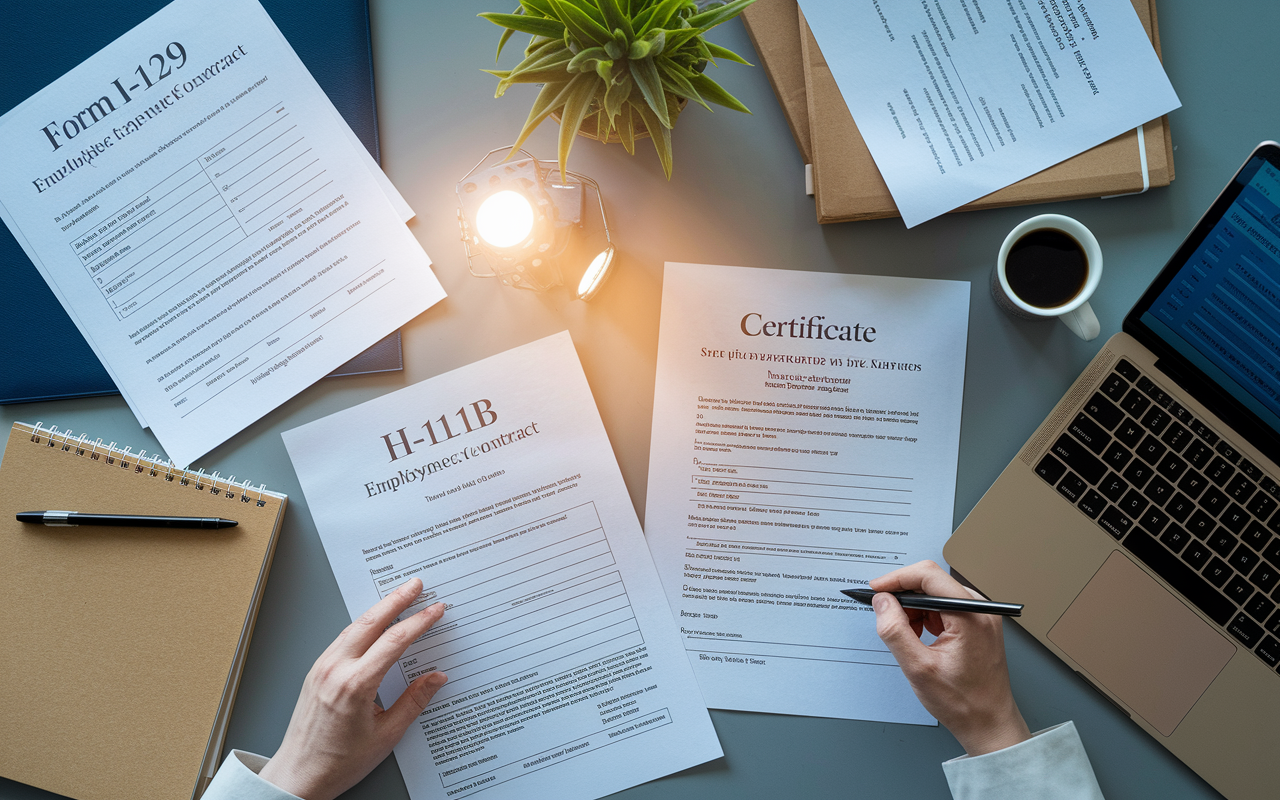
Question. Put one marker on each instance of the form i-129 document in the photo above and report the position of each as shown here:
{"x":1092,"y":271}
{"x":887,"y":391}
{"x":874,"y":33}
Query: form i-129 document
{"x":208,"y":221}
{"x":496,"y":485}
{"x":805,"y":433}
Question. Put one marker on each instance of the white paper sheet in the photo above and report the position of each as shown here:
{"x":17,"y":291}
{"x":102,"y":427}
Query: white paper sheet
{"x":805,"y":433}
{"x":956,"y":100}
{"x":204,"y":216}
{"x":496,"y":485}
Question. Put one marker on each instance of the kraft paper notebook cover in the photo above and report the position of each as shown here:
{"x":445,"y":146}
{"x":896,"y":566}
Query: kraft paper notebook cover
{"x":848,"y":185}
{"x":123,"y":647}
{"x":45,"y":357}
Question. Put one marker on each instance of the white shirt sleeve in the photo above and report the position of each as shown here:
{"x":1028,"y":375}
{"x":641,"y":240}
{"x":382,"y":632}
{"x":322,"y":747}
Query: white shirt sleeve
{"x":1051,"y":765}
{"x":237,"y":779}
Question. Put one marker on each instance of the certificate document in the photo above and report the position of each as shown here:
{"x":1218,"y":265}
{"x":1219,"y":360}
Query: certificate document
{"x":496,"y":485}
{"x":959,"y":98}
{"x":208,"y":221}
{"x":805,"y":433}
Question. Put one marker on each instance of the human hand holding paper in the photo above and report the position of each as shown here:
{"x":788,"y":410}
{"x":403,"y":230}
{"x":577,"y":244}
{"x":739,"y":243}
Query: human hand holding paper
{"x":338,"y":733}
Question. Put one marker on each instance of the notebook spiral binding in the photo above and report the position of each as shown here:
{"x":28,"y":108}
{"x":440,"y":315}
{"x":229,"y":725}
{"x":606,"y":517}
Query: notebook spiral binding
{"x":152,"y":466}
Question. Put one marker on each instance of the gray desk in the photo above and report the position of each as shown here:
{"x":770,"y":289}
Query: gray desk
{"x":736,"y":198}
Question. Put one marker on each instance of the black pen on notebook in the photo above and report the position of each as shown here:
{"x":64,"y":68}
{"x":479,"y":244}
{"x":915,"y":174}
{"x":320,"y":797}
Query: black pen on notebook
{"x":62,"y":519}
{"x":926,"y":602}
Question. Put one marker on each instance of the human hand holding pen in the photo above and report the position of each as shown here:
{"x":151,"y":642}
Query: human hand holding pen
{"x":338,"y":733}
{"x":962,"y":678}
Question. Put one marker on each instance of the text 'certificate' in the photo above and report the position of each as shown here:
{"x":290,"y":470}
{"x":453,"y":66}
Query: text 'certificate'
{"x":496,"y":485}
{"x":805,"y":433}
{"x":199,"y":209}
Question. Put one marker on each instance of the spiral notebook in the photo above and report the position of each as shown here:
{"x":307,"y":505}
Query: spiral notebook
{"x":122,"y":647}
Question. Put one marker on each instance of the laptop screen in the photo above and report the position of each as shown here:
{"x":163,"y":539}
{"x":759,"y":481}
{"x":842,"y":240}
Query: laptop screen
{"x":1221,"y":310}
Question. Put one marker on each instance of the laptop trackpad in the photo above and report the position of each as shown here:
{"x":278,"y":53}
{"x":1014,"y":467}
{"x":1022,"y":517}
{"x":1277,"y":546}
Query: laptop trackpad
{"x":1140,"y":642}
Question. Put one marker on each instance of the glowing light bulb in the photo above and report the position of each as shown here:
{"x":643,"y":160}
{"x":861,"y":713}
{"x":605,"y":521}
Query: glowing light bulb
{"x":596,"y":273}
{"x":505,"y":219}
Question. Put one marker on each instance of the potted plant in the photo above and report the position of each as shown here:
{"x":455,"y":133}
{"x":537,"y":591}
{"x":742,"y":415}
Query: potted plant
{"x":616,"y":70}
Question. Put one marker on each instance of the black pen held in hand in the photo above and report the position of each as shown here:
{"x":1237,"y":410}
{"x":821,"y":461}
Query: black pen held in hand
{"x":926,"y":602}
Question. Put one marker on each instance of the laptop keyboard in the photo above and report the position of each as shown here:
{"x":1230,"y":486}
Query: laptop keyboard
{"x":1180,"y":499}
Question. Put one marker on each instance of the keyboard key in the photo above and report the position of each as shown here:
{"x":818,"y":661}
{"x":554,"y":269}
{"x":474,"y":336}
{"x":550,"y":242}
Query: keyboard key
{"x":1181,"y":414}
{"x":1274,"y":524}
{"x":1090,"y":433}
{"x":1171,"y":467}
{"x":1158,"y":491}
{"x":1265,"y":577}
{"x":1156,"y":420}
{"x":1093,"y":503}
{"x":1246,"y":630}
{"x":1135,"y":403}
{"x":1180,"y":507}
{"x":1071,"y":487}
{"x":1153,"y":521}
{"x":1104,"y":411}
{"x":1150,"y":450}
{"x":1261,"y":505}
{"x":1217,"y":572}
{"x":1221,"y":541}
{"x":1256,"y":536}
{"x":1272,"y":552}
{"x":1269,"y":651}
{"x":1240,"y":488}
{"x":1129,"y":371}
{"x":1201,"y":524}
{"x":1138,"y":474}
{"x":1199,"y":455}
{"x":1235,"y":518}
{"x":1077,"y":457}
{"x":1115,"y":523}
{"x":1244,"y":560}
{"x":1177,"y":437}
{"x":1181,"y":577}
{"x":1269,"y":486}
{"x":1133,"y":503}
{"x":1228,"y":452}
{"x":1205,"y":433}
{"x":1214,"y":501}
{"x":1157,"y":395}
{"x":1238,"y":590}
{"x":1117,"y":456}
{"x":1115,"y":387}
{"x":1130,"y":433}
{"x":1192,"y":484}
{"x":1114,"y":487}
{"x":1259,"y":607}
{"x":1249,"y":469}
{"x":1273,"y":624}
{"x":1219,"y":471}
{"x":1175,"y":538}
{"x":1197,"y":555}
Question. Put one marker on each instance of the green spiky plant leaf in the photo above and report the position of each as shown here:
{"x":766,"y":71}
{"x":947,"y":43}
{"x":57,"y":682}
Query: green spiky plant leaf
{"x":616,"y":67}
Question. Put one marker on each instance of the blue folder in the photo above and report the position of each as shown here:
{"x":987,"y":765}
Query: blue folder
{"x":42,"y":354}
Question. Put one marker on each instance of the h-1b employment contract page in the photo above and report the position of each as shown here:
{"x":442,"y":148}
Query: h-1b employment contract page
{"x":496,"y":485}
{"x":805,"y":433}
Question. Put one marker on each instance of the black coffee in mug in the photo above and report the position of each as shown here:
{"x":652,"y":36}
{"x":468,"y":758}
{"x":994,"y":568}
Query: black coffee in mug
{"x":1046,"y":268}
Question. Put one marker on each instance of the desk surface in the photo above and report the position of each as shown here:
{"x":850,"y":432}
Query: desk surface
{"x":736,"y":198}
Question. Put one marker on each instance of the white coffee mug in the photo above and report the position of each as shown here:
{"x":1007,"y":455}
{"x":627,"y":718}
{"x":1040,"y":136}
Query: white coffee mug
{"x":1076,"y":313}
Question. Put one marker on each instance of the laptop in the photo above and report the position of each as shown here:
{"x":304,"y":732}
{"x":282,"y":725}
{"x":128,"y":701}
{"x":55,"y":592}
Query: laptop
{"x":1140,"y":522}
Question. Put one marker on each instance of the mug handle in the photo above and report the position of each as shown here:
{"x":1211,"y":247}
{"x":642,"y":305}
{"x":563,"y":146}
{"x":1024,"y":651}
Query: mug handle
{"x":1082,"y":322}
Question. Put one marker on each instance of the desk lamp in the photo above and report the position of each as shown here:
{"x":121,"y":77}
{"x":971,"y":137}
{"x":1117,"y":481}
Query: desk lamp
{"x":519,"y":215}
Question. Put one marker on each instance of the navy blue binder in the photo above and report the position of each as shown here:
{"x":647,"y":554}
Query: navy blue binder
{"x":42,"y":354}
